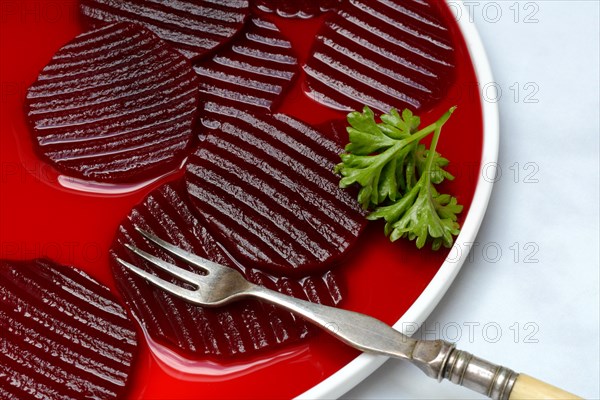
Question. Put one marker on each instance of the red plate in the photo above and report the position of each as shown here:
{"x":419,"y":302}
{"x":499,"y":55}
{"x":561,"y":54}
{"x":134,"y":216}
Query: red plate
{"x":39,"y":217}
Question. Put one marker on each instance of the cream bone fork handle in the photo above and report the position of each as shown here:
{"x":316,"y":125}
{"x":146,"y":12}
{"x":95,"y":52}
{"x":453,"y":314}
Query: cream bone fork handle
{"x":437,"y":358}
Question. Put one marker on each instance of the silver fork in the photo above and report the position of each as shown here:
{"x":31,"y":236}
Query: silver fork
{"x":437,"y":358}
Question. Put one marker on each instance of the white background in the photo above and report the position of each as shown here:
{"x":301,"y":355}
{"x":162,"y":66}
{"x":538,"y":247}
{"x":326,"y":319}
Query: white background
{"x":535,"y":306}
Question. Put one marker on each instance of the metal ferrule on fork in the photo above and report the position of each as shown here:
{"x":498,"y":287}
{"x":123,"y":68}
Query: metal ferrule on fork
{"x":479,"y":375}
{"x":440,"y":359}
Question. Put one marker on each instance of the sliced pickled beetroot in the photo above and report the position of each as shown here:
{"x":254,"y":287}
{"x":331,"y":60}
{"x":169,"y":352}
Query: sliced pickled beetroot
{"x":194,"y":27}
{"x":382,"y":53}
{"x":62,"y":334}
{"x":241,"y":328}
{"x":252,"y":72}
{"x":296,"y":8}
{"x":337,"y":131}
{"x":114,"y":105}
{"x":266,"y":188}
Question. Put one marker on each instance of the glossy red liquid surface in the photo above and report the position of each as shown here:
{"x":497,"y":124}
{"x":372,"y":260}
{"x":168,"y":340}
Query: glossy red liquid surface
{"x":38,"y":217}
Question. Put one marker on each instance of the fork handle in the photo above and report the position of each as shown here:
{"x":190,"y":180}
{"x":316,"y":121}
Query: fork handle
{"x":437,"y":358}
{"x":527,"y":388}
{"x":360,"y":331}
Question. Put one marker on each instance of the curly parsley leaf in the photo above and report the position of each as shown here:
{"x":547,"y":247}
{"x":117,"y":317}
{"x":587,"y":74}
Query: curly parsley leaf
{"x":377,"y":151}
{"x":397,"y":176}
{"x":421,"y":214}
{"x":437,"y":171}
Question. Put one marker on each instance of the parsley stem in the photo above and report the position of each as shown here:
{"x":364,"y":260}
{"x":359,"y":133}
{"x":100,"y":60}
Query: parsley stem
{"x":422,"y":133}
{"x":437,"y":126}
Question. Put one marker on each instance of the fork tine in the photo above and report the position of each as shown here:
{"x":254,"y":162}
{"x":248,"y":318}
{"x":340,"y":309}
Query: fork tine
{"x":172,"y":269}
{"x":184,"y":255}
{"x":168,"y":287}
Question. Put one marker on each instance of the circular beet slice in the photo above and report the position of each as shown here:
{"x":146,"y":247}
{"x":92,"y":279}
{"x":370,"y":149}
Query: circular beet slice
{"x":62,"y":334}
{"x":193,"y":27}
{"x":253,"y":71}
{"x":243,"y":328}
{"x":266,"y":188}
{"x":296,"y":8}
{"x":381,"y":53}
{"x":114,"y":105}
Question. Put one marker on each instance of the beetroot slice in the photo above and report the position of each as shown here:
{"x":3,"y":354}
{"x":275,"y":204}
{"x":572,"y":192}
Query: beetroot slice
{"x":241,"y":328}
{"x":114,"y":105}
{"x":253,"y":71}
{"x":193,"y":27}
{"x":382,"y":53}
{"x":266,"y":188}
{"x":296,"y":8}
{"x":62,"y":334}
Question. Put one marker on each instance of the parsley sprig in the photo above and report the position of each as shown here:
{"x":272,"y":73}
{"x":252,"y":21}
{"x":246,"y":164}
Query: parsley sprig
{"x":397,"y":176}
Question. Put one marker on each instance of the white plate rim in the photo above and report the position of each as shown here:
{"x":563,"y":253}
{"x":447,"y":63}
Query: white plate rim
{"x":365,"y":364}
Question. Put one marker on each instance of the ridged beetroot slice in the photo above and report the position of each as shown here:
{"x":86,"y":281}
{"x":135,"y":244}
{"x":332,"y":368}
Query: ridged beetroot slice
{"x":62,"y":334}
{"x":296,"y":8}
{"x":253,"y":71}
{"x":241,"y":328}
{"x":382,"y":53}
{"x":266,"y":188}
{"x":194,"y":27}
{"x":114,"y":105}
